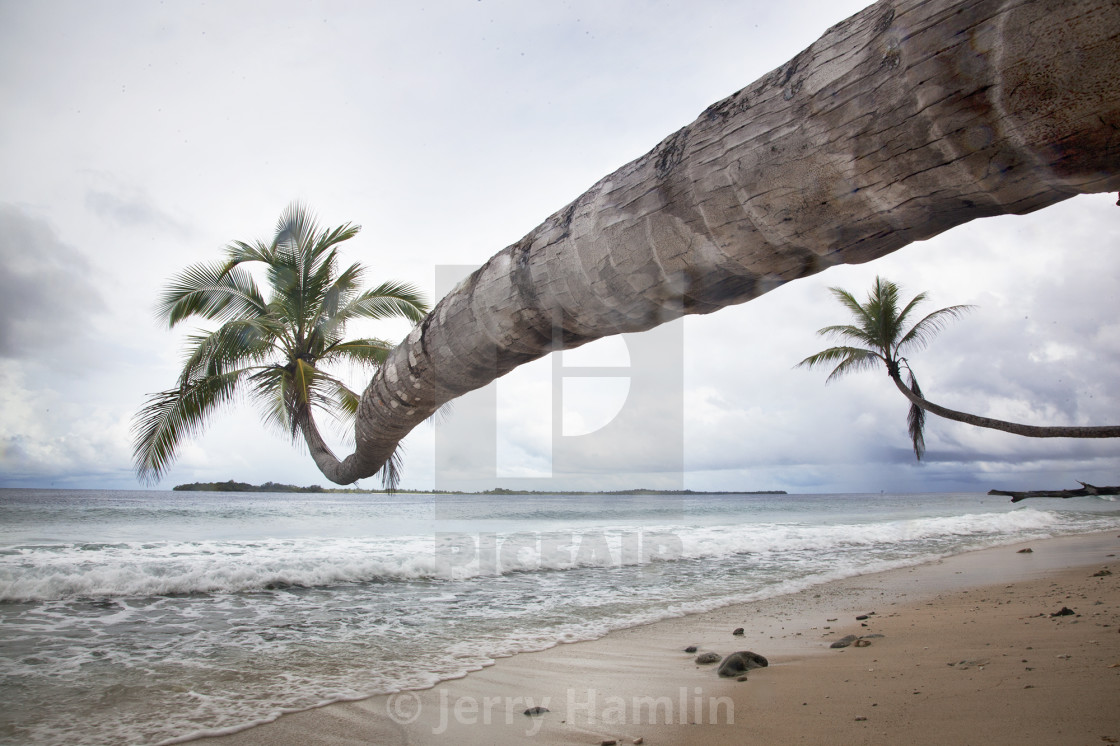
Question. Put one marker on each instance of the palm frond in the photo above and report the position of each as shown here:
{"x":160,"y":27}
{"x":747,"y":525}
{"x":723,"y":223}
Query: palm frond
{"x":847,"y":360}
{"x":169,"y":417}
{"x":392,"y":471}
{"x":851,"y":333}
{"x":268,"y":389}
{"x":389,"y":300}
{"x":916,"y":420}
{"x":239,"y":252}
{"x":368,"y":351}
{"x":234,"y":344}
{"x":211,"y":291}
{"x":923,"y":331}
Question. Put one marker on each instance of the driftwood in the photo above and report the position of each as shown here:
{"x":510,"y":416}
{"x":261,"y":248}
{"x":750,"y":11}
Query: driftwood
{"x":1087,"y":490}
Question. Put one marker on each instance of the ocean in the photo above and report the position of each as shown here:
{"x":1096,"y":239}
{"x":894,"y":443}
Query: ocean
{"x":149,"y":617}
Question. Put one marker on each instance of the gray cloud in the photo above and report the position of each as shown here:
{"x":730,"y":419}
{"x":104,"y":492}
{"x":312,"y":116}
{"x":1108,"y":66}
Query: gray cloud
{"x":46,"y":294}
{"x":131,"y":211}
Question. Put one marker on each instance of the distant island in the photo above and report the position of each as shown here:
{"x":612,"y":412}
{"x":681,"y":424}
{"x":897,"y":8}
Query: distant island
{"x":232,"y":486}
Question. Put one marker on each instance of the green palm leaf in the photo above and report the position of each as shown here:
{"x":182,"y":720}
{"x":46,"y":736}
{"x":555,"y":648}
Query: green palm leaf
{"x":170,"y":417}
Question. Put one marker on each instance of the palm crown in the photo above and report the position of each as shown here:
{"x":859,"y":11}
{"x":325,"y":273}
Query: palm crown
{"x":273,"y":349}
{"x":879,"y":335}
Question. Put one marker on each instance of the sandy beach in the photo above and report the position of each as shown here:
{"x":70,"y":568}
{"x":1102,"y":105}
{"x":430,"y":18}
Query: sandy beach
{"x":973,"y":649}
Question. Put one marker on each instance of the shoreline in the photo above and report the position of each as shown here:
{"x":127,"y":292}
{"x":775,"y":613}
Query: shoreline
{"x":959,"y":639}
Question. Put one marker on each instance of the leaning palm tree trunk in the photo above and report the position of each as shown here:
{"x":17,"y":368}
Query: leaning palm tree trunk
{"x":907,"y":119}
{"x":1030,"y":431}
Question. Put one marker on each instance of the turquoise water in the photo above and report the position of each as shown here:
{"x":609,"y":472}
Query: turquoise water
{"x":148,"y":617}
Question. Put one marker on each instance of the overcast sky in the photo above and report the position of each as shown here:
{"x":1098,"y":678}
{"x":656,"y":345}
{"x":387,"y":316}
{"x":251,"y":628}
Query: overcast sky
{"x":138,"y":137}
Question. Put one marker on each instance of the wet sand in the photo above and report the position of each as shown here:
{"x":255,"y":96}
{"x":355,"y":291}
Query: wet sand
{"x":971,"y":652}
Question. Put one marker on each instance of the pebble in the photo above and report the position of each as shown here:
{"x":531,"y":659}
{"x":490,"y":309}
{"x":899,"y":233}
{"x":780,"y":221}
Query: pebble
{"x":709,"y":658}
{"x":738,"y":631}
{"x":536,"y":711}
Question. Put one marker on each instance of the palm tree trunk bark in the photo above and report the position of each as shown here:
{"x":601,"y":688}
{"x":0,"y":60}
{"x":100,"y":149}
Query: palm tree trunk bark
{"x":1030,"y":431}
{"x":909,"y":118}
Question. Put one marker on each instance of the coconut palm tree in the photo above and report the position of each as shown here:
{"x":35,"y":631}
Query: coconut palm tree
{"x":889,"y":129}
{"x":276,"y":349}
{"x":879,"y":335}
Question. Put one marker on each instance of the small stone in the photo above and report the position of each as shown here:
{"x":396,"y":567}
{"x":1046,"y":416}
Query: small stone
{"x":861,"y":617}
{"x":844,"y":642}
{"x":738,"y":631}
{"x":691,"y":649}
{"x":862,"y":643}
{"x":860,"y":719}
{"x":741,"y":678}
{"x":608,"y":742}
{"x":1065,"y":611}
{"x":639,"y":739}
{"x":740,"y":662}
{"x":536,"y":711}
{"x":1102,"y":573}
{"x":1028,"y":550}
{"x":709,"y":658}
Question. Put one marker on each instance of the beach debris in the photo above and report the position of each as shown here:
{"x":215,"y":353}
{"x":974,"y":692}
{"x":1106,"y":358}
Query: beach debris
{"x":862,"y":643}
{"x":742,"y":678}
{"x":536,"y":711}
{"x":691,"y":649}
{"x":738,"y":631}
{"x":861,"y":719}
{"x":1087,"y":490}
{"x":1028,"y":550}
{"x":871,"y":636}
{"x":1102,"y":573}
{"x":861,"y":617}
{"x":709,"y":658}
{"x":608,"y":742}
{"x":844,"y":641}
{"x":740,"y":662}
{"x":1065,"y":611}
{"x":977,"y":663}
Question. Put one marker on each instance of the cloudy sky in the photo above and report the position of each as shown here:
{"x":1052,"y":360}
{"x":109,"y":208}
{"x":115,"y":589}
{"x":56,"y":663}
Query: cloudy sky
{"x":138,"y":137}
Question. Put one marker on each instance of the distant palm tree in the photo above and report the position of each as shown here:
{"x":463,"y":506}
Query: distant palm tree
{"x":272,"y":349}
{"x":879,"y":335}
